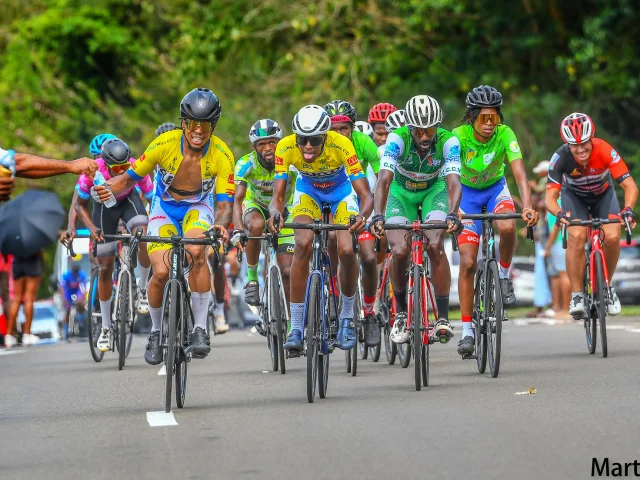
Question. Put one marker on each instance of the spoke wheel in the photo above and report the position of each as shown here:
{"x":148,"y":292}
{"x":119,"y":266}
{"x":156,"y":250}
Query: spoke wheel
{"x":95,"y":322}
{"x":121,"y":321}
{"x":390,"y":348}
{"x":415,"y":305}
{"x":479,"y":315}
{"x":181,"y":357}
{"x":375,"y":351}
{"x":600,"y":299}
{"x":313,"y":336}
{"x":494,"y":314}
{"x":276,"y":312}
{"x":172,"y":326}
{"x":591,"y":314}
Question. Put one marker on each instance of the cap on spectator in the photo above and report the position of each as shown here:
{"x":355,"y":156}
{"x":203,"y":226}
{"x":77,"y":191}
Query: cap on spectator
{"x":542,"y":167}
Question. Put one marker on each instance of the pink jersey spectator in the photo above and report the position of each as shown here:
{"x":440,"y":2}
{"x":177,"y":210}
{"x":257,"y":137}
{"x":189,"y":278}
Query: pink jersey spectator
{"x":85,"y":183}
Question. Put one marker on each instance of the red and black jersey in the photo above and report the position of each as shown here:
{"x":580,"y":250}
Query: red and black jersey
{"x":590,"y":180}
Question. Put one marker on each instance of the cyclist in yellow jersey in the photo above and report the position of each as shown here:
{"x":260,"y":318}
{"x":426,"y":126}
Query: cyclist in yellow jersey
{"x":329,"y":173}
{"x":192,"y":161}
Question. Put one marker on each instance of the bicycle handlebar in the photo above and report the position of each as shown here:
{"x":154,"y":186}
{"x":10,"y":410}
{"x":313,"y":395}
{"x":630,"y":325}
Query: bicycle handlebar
{"x":419,"y":227}
{"x":318,"y":227}
{"x":595,"y":223}
{"x":498,"y":216}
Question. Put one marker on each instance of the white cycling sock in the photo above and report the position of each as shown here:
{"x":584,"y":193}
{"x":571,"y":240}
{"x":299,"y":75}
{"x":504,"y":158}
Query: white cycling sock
{"x":505,"y":270}
{"x":347,"y":306}
{"x":144,"y":277}
{"x":218,"y":309}
{"x":297,"y":316}
{"x":105,"y":309}
{"x":156,"y":318}
{"x":200,"y":304}
{"x":467,"y":331}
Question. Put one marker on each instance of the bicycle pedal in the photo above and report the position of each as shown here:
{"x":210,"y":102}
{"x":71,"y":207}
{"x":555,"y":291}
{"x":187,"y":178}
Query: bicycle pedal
{"x":293,"y":354}
{"x":468,"y":357}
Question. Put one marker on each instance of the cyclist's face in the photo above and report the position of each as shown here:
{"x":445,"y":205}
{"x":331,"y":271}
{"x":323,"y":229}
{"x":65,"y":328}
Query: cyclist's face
{"x":487,"y":121}
{"x":380,"y":134}
{"x":424,"y":137}
{"x":343,"y":128}
{"x":197,"y":133}
{"x":267,"y":149}
{"x":309,"y":152}
{"x":582,"y":152}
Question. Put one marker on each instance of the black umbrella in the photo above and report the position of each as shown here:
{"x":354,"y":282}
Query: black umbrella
{"x":30,"y":222}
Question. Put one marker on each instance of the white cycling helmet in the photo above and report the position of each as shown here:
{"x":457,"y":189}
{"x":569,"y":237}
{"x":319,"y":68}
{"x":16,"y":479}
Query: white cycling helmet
{"x":395,"y":120}
{"x":264,"y":129}
{"x":311,"y":120}
{"x":422,"y":111}
{"x":364,"y":127}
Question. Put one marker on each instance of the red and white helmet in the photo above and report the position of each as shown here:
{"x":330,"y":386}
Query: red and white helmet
{"x":577,"y":128}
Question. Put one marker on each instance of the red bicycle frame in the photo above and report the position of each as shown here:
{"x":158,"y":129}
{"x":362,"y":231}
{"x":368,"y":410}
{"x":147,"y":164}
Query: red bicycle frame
{"x":417,"y":255}
{"x":596,"y":249}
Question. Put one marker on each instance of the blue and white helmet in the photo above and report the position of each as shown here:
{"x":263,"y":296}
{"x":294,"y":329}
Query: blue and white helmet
{"x":96,"y":144}
{"x":263,"y":129}
{"x":365,"y":128}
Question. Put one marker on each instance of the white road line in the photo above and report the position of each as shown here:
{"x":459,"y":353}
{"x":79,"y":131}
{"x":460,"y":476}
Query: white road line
{"x":163,"y":371}
{"x":633,"y":330}
{"x":11,"y":352}
{"x":161,"y":419}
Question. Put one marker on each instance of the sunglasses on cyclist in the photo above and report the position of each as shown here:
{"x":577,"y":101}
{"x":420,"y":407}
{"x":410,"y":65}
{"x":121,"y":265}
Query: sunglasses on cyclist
{"x":314,"y":141}
{"x":205,"y":127}
{"x":119,"y":169}
{"x":485,"y":118}
{"x":430,"y":131}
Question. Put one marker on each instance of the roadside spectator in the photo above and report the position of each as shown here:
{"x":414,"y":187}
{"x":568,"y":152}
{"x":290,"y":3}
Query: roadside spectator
{"x":541,"y":291}
{"x":5,"y":277}
{"x":26,"y":280}
{"x":541,"y":171}
{"x":557,"y":269}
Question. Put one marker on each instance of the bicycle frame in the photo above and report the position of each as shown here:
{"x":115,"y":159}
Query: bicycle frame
{"x":595,"y":248}
{"x":417,"y":258}
{"x":125,"y":269}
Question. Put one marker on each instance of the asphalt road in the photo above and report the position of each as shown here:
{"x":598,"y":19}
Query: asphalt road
{"x":64,"y":416}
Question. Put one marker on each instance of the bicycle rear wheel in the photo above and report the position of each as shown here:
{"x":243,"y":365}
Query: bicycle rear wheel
{"x":121,"y":320}
{"x":600,"y":297}
{"x":183,"y":342}
{"x":415,"y":300}
{"x":172,"y":325}
{"x":493,"y":318}
{"x":95,"y":322}
{"x":357,"y":320}
{"x":390,"y":348}
{"x":314,"y":332}
{"x":375,"y":351}
{"x":276,"y":311}
{"x":480,"y":319}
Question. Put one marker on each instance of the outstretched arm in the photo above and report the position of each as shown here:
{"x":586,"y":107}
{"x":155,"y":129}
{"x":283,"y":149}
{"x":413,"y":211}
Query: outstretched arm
{"x":32,"y":166}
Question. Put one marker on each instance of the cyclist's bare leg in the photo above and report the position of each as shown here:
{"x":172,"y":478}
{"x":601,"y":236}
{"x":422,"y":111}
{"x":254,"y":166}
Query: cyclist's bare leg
{"x":105,"y":288}
{"x":348,"y":264}
{"x":369,"y":264}
{"x":575,"y":257}
{"x":199,"y":281}
{"x":508,"y":238}
{"x":332,"y":245}
{"x":401,"y":252}
{"x":218,"y":277}
{"x":284,"y":262}
{"x":254,"y":223}
{"x":143,"y":255}
{"x":232,"y":260}
{"x":468,"y":265}
{"x":611,"y":246}
{"x":440,"y":271}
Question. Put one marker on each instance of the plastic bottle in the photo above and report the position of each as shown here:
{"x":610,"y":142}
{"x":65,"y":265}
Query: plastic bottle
{"x":7,"y":163}
{"x":99,"y":180}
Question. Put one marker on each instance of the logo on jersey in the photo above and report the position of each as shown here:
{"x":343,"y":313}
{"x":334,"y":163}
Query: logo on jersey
{"x":279,"y":160}
{"x":488,"y":158}
{"x":575,"y":173}
{"x":515,"y":148}
{"x":470,"y":155}
{"x":615,"y":157}
{"x":352,"y":160}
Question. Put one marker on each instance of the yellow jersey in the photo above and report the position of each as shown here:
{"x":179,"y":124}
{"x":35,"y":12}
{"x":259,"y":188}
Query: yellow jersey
{"x":166,"y":151}
{"x":337,"y":164}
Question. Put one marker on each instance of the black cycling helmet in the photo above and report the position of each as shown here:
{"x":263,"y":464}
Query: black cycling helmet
{"x":201,"y":104}
{"x":340,"y":107}
{"x":115,"y":152}
{"x":484,"y":96}
{"x":166,"y":127}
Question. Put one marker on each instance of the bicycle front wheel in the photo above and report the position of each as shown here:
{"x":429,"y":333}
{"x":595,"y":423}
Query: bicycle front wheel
{"x":590,"y":313}
{"x":415,"y":300}
{"x":181,"y":357}
{"x":479,"y":315}
{"x":314,"y":333}
{"x":277,"y":313}
{"x":172,"y":325}
{"x":493,"y":317}
{"x":121,"y":321}
{"x":95,"y":322}
{"x":600,"y":297}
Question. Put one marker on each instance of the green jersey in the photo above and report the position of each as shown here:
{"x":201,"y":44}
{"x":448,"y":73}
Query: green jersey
{"x":259,"y":181}
{"x":416,"y":174}
{"x":366,"y":151}
{"x":483,"y":163}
